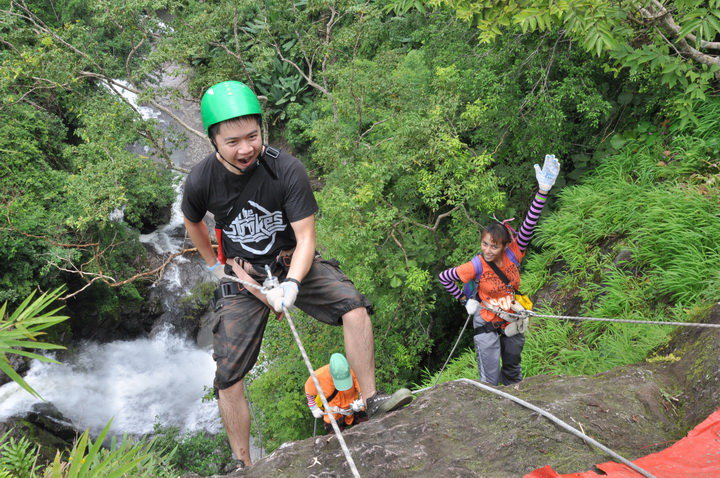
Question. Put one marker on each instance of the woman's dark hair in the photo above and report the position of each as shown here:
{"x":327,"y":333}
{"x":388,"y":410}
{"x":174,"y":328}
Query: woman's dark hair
{"x":498,"y":232}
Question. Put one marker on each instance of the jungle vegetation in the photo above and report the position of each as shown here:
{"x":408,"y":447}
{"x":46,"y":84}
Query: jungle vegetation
{"x":420,"y":120}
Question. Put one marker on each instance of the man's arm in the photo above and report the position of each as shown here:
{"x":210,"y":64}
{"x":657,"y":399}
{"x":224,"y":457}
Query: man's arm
{"x":198,"y":233}
{"x":304,"y":253}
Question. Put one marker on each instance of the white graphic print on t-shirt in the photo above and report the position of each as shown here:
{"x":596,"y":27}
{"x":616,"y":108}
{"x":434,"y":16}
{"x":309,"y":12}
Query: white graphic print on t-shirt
{"x":252,"y":228}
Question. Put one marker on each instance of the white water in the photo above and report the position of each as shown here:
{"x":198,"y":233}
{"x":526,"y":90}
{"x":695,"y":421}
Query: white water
{"x":164,"y":239}
{"x":121,"y":87}
{"x":136,"y":383}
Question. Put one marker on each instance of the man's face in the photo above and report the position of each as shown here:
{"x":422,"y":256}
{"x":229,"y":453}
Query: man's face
{"x":240,"y":143}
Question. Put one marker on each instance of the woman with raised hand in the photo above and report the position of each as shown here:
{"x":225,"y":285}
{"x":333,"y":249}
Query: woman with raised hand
{"x":497,"y":276}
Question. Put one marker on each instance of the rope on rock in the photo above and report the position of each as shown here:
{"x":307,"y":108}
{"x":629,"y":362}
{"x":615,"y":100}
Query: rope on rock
{"x":334,"y":424}
{"x":560,"y":423}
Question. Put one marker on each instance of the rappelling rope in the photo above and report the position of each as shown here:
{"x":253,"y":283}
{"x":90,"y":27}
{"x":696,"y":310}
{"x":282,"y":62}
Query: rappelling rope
{"x":452,"y":350}
{"x":310,"y":368}
{"x":334,"y":424}
{"x":257,"y":423}
{"x":561,"y":423}
{"x":530,"y":313}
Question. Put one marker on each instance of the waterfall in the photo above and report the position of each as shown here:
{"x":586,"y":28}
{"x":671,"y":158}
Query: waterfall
{"x":135,"y":383}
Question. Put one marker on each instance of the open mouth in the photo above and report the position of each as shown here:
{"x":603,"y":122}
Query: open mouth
{"x":245,"y":163}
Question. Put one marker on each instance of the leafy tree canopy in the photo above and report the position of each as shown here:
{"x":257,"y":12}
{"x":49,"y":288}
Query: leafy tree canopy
{"x":675,"y":42}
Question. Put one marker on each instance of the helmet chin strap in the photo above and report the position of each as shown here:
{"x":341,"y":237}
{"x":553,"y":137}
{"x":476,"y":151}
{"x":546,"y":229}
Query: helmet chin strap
{"x":241,"y":170}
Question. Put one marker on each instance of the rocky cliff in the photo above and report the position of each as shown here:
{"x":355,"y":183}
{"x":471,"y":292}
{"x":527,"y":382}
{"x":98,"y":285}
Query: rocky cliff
{"x":459,"y":430}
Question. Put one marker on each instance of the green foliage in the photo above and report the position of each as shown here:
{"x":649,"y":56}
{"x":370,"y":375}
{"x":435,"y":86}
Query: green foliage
{"x":198,"y":453}
{"x":64,"y":141}
{"x":21,"y":329}
{"x":668,"y":42}
{"x":18,"y":457}
{"x":121,"y":459}
{"x":464,"y":365}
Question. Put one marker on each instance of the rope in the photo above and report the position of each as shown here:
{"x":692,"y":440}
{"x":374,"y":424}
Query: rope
{"x":310,"y":368}
{"x":560,"y":423}
{"x":334,"y":424}
{"x":452,"y":350}
{"x":529,"y":313}
{"x":257,"y":423}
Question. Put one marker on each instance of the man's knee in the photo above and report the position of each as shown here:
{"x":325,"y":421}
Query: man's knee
{"x":234,"y":392}
{"x":357,"y":316}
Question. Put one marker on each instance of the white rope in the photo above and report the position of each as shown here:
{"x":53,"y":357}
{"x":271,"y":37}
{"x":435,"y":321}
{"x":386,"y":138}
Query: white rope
{"x":309,"y":366}
{"x":561,"y":423}
{"x":452,"y":350}
{"x":529,"y":313}
{"x":334,"y":424}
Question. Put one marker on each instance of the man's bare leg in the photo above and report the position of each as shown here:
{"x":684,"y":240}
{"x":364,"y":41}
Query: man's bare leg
{"x":236,"y":418}
{"x":360,"y":348}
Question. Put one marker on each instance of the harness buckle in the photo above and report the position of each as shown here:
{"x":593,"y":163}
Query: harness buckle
{"x":272,"y":152}
{"x":226,"y":289}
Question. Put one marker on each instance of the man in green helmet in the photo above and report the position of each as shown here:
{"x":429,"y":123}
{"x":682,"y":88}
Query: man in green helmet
{"x":264,"y":212}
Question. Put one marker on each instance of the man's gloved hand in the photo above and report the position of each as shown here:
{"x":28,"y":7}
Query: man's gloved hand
{"x":548,"y":174}
{"x":218,"y":270}
{"x":283,"y":296}
{"x":357,"y":406}
{"x":472,"y":306}
{"x":316,"y":412}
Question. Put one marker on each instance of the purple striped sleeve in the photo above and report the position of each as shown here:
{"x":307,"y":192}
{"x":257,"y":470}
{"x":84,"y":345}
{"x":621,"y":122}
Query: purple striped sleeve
{"x":448,"y":278}
{"x":528,"y":226}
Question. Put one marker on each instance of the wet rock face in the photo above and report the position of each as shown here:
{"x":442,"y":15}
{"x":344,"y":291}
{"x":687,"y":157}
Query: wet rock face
{"x":45,"y":426}
{"x":460,"y":430}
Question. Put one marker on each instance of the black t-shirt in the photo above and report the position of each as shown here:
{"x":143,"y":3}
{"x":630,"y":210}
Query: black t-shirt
{"x":260,"y":226}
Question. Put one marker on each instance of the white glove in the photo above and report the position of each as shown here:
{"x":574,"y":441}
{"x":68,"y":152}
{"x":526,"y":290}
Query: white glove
{"x":472,"y":306}
{"x":357,"y":406}
{"x":218,"y":270}
{"x":317,"y":413}
{"x":282,"y":296}
{"x":548,"y":174}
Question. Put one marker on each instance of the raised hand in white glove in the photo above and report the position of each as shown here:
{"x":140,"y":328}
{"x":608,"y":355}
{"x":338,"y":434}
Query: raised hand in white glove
{"x":282,"y":296}
{"x":357,"y":406}
{"x":316,"y":412}
{"x":548,"y":174}
{"x":218,"y":271}
{"x":472,"y":306}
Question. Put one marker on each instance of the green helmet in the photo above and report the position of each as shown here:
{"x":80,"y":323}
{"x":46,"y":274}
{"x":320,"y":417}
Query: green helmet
{"x":227,"y":100}
{"x":340,"y":372}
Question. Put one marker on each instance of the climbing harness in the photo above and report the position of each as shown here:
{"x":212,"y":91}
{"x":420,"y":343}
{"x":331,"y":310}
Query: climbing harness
{"x":270,"y":283}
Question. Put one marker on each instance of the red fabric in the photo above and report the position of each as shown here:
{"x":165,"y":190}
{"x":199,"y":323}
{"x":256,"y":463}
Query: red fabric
{"x":220,"y":252}
{"x":695,"y":456}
